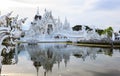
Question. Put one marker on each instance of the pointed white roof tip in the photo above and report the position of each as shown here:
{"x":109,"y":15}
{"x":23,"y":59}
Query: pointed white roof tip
{"x":50,"y":12}
{"x":9,"y":13}
{"x":37,"y":10}
{"x":45,"y":10}
{"x":17,"y":16}
{"x":58,"y":18}
{"x":65,"y":19}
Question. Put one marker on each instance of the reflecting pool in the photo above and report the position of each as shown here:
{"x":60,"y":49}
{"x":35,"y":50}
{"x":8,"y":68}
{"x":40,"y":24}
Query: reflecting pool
{"x":53,"y":59}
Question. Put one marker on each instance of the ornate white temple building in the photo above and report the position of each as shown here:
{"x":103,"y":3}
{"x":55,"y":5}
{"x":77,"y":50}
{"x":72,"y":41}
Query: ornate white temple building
{"x":47,"y":27}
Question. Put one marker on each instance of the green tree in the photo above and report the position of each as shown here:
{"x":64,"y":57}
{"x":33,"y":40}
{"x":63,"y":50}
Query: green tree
{"x":99,"y":31}
{"x":108,"y":32}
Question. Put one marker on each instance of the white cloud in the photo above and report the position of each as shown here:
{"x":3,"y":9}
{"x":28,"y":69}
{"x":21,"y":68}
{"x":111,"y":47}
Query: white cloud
{"x":107,"y":5}
{"x":77,"y":11}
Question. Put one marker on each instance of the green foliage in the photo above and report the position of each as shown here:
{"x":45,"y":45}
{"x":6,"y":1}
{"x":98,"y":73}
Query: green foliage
{"x":99,"y":31}
{"x":108,"y":31}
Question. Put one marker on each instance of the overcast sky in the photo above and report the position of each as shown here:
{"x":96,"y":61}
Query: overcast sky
{"x":100,"y":13}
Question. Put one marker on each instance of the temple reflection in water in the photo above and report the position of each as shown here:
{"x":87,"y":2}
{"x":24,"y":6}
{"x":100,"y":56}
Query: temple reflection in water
{"x":47,"y":54}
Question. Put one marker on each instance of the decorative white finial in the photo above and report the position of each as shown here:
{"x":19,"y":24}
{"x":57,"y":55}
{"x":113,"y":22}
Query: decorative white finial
{"x":58,"y":18}
{"x":37,"y":10}
{"x":65,"y":19}
{"x":65,"y":22}
{"x":45,"y":9}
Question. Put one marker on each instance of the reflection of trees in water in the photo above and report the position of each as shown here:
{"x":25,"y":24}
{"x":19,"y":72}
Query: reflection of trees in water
{"x":106,"y":51}
{"x":84,"y":52}
{"x":92,"y":52}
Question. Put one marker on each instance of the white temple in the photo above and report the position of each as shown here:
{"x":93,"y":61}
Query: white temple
{"x":46,"y":27}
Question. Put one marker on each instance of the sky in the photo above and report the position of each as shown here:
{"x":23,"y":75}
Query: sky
{"x":95,"y":13}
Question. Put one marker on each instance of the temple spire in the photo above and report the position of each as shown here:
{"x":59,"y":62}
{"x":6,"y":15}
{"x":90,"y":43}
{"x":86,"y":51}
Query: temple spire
{"x":45,"y":10}
{"x":37,"y":10}
{"x":58,"y":19}
{"x":37,"y":16}
{"x":65,"y":19}
{"x":66,"y":22}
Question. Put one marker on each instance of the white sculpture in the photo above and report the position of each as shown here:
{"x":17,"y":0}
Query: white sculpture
{"x":4,"y":18}
{"x":10,"y":27}
{"x":14,"y":21}
{"x":20,"y":22}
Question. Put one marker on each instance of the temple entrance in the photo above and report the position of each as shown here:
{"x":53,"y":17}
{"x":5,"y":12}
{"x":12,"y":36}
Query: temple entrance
{"x":49,"y":29}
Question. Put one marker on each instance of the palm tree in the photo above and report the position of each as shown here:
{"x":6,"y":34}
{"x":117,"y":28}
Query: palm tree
{"x":109,"y":32}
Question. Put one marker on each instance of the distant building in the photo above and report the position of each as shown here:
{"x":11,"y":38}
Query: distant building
{"x":117,"y":37}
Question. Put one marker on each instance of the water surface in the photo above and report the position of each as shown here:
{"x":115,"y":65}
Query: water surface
{"x":48,"y":59}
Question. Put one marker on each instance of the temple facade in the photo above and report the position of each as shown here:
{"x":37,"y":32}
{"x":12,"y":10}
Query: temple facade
{"x":47,"y":26}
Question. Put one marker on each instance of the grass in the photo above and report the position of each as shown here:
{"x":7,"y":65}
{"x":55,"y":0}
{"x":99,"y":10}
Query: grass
{"x":88,"y":44}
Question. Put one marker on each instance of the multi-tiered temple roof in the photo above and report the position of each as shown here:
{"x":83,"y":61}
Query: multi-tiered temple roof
{"x":46,"y":25}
